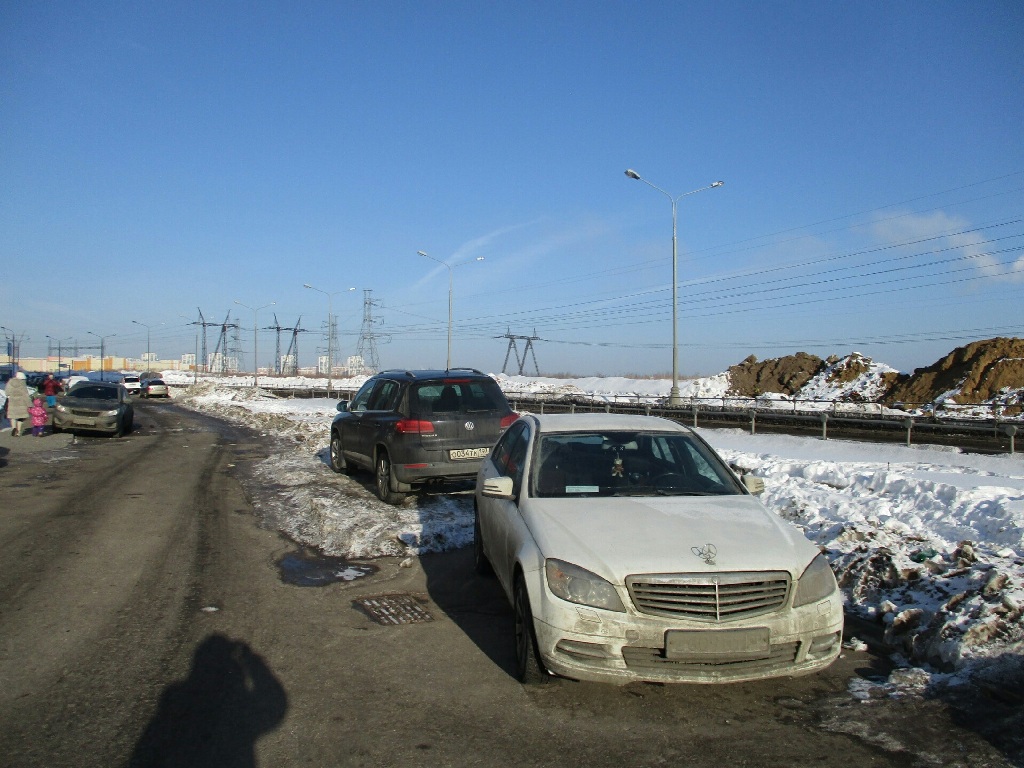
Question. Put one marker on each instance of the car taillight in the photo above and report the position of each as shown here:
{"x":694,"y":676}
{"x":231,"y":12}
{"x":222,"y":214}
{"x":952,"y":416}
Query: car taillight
{"x":508,"y":421}
{"x":414,"y":427}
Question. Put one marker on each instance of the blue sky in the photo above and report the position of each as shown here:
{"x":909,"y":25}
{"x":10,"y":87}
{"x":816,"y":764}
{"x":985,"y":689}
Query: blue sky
{"x":156,"y":158}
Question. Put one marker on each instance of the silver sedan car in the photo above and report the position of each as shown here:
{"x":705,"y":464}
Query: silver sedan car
{"x":631,"y":552}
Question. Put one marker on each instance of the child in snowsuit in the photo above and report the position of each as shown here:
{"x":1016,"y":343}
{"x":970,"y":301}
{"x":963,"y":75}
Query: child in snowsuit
{"x":39,"y":417}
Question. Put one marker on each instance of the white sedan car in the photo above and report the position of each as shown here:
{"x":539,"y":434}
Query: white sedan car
{"x":630,"y":551}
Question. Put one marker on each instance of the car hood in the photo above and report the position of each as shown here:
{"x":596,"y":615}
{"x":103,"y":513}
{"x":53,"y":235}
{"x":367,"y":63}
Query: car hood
{"x":618,"y":536}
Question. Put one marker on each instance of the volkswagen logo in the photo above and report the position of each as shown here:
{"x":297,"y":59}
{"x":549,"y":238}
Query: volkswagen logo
{"x":470,"y":426}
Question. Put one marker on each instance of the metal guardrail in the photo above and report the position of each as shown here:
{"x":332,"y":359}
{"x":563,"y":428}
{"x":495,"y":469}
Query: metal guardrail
{"x":983,"y":435}
{"x":989,"y":435}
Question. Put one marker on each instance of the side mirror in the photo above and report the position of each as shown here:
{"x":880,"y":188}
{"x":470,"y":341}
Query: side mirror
{"x":343,"y":406}
{"x":753,"y":484}
{"x":498,"y":487}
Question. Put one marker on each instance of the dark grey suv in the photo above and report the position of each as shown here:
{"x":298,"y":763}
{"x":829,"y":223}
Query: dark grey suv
{"x":413,"y":427}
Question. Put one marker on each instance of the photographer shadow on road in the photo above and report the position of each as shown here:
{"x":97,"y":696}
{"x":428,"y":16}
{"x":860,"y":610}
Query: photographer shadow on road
{"x":215,"y":716}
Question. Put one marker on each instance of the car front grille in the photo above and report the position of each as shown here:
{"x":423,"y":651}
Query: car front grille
{"x":84,"y":413}
{"x":709,"y":597}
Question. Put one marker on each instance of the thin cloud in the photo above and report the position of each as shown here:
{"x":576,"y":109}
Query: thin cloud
{"x":940,"y":227}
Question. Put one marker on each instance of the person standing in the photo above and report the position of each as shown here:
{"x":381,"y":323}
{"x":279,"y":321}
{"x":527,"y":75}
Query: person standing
{"x":39,"y":417}
{"x":51,"y":388}
{"x":17,"y":401}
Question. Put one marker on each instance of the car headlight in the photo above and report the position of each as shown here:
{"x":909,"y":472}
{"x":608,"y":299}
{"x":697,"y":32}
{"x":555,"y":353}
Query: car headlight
{"x":815,"y":583}
{"x":111,"y":413}
{"x":578,"y":585}
{"x":62,"y":408}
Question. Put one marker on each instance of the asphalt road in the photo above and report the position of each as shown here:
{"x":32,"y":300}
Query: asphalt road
{"x":146,"y":620}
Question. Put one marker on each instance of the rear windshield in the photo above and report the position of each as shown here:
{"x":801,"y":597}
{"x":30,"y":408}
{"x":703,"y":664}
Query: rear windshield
{"x":456,"y":396}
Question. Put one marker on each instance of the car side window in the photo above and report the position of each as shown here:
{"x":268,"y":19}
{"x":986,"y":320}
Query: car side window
{"x":505,"y":446}
{"x":383,"y":396}
{"x":362,"y":396}
{"x":516,"y":462}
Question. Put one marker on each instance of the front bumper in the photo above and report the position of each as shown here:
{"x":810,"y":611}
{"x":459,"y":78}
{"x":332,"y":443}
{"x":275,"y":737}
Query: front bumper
{"x":92,"y":422}
{"x":585,"y":643}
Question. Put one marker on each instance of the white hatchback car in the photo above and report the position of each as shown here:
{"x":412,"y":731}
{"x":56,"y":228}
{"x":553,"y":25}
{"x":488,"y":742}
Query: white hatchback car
{"x":631,"y":552}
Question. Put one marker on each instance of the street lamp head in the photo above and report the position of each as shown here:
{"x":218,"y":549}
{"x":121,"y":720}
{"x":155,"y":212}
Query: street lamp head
{"x":306,"y":285}
{"x":422,"y":253}
{"x":479,"y":258}
{"x":632,"y":174}
{"x":718,"y":184}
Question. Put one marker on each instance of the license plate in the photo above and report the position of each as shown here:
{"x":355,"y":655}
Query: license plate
{"x":718,"y":644}
{"x":86,"y":422}
{"x":455,"y":454}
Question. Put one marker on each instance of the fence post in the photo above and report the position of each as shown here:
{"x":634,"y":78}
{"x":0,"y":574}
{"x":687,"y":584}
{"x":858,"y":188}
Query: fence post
{"x":1011,"y":430}
{"x":910,"y":425}
{"x":753,"y":421}
{"x":824,"y":425}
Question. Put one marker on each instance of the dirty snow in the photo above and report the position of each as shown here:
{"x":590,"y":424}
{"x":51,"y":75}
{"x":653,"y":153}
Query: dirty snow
{"x":928,"y":541}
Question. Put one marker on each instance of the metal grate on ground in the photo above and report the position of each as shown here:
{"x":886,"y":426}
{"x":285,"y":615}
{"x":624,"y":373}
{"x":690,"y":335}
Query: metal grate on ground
{"x":391,"y":610}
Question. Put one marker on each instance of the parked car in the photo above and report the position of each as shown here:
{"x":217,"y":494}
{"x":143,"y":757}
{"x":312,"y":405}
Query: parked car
{"x":414,"y":427}
{"x":154,"y":388}
{"x":94,"y":406}
{"x":631,"y":552}
{"x":132,"y":383}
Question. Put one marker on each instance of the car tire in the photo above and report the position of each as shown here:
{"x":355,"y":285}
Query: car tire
{"x":529,"y":668}
{"x":480,"y":561}
{"x":383,"y":480}
{"x":338,"y":462}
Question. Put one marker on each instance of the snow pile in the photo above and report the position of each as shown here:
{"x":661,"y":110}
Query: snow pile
{"x":851,"y":379}
{"x":928,"y":541}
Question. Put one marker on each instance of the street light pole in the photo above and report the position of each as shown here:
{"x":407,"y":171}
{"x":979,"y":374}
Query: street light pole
{"x":59,"y":357}
{"x":673,"y":395}
{"x":103,"y":340}
{"x":451,"y":271}
{"x":147,"y":327}
{"x":195,"y":362}
{"x":330,"y":329}
{"x":255,"y":332}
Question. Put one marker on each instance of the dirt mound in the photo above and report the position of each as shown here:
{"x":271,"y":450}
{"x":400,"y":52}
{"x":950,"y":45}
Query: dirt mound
{"x":782,"y":375}
{"x":975,"y":373}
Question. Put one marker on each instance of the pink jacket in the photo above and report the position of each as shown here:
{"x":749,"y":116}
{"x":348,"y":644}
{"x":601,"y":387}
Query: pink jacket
{"x":38,"y":414}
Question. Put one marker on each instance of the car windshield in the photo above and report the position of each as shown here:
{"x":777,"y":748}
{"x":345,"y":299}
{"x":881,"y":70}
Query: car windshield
{"x":94,"y":393}
{"x":629,"y":464}
{"x":456,"y":395}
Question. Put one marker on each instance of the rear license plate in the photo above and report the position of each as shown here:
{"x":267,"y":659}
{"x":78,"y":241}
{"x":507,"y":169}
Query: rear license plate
{"x":456,"y":454}
{"x":717,"y":644}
